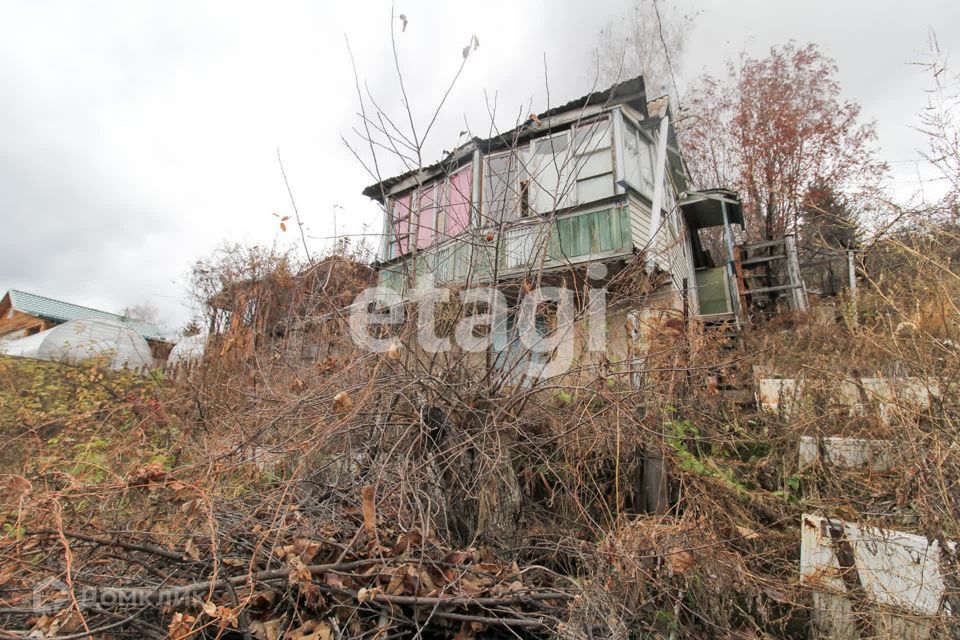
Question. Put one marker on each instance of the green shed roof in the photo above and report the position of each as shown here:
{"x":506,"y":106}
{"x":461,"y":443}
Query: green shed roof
{"x":703,"y":209}
{"x":59,"y":311}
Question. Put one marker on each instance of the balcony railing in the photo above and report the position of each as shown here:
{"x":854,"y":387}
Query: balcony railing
{"x":528,"y":245}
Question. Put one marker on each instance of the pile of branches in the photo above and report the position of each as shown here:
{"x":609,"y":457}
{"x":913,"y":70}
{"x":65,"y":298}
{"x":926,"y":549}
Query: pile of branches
{"x":357,"y":579}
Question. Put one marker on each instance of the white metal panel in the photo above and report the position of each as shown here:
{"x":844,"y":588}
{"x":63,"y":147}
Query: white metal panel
{"x":596,"y":188}
{"x":850,"y":453}
{"x":896,"y":569}
{"x":888,"y":395}
{"x":13,"y":335}
{"x":594,"y":164}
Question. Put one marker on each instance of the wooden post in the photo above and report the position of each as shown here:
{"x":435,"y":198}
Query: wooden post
{"x":741,"y":283}
{"x":852,"y":276}
{"x":656,"y":496}
{"x":686,"y":304}
{"x":798,"y":294}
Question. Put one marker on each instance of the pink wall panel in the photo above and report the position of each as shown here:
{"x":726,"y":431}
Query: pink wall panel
{"x":460,"y":194}
{"x":457,"y":212}
{"x":428,"y":216}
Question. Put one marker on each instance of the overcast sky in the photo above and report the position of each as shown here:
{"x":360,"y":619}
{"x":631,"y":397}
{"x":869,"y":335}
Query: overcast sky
{"x":136,"y":137}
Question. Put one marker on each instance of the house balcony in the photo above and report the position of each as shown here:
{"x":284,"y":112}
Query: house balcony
{"x":485,"y":255}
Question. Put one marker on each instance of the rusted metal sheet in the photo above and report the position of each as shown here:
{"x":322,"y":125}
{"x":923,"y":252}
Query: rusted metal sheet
{"x":870,"y":582}
{"x":779,"y":395}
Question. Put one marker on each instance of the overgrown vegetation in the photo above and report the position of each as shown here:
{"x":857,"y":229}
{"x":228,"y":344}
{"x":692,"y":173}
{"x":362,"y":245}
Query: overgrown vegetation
{"x":355,"y":496}
{"x":294,"y":486}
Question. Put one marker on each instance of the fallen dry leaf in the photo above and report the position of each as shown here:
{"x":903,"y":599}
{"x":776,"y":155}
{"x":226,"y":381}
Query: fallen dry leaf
{"x":679,"y":560}
{"x":299,"y":573}
{"x":368,"y":595}
{"x":180,"y":627}
{"x":190,"y":549}
{"x":747,"y":532}
{"x":342,"y":402}
{"x":147,"y":475}
{"x":332,"y":579}
{"x":312,"y":630}
{"x":269,"y":630}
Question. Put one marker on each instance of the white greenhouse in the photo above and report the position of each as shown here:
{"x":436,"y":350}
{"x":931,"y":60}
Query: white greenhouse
{"x":189,"y":349}
{"x":78,"y":340}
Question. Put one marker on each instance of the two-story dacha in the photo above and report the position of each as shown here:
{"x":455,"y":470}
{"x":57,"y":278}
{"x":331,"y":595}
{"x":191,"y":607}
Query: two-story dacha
{"x":597,"y":181}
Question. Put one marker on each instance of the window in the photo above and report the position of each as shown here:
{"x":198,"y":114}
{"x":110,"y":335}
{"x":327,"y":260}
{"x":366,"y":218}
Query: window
{"x":594,"y":162}
{"x":501,"y":187}
{"x":550,"y":174}
{"x":428,"y":213}
{"x":638,"y":165}
{"x":519,"y":246}
{"x":444,"y":265}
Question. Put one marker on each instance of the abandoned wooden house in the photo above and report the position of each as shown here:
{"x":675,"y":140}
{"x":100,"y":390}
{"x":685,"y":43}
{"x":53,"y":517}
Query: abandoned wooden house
{"x":599,"y":180}
{"x":284,"y":309}
{"x":25,"y":314}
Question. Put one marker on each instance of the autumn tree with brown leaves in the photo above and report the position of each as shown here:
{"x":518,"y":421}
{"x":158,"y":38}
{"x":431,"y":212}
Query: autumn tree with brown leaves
{"x":775,"y":127}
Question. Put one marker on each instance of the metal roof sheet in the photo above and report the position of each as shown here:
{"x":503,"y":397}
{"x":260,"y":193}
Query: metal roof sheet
{"x":59,"y":311}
